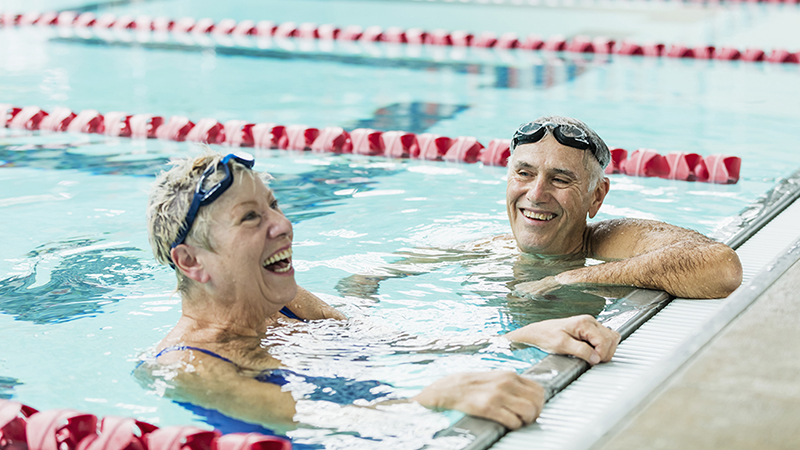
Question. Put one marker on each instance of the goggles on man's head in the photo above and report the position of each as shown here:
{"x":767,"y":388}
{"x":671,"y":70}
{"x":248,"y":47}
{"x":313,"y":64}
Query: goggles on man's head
{"x":565,"y":134}
{"x":203,"y":197}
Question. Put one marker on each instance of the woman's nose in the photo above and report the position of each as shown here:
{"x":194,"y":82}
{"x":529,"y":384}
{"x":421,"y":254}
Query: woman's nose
{"x":278,"y":224}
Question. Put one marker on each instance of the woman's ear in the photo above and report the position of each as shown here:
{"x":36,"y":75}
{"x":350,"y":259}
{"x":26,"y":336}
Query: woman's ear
{"x":185,"y":259}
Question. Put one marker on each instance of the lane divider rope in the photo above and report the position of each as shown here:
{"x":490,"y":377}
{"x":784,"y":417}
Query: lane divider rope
{"x":25,"y":428}
{"x":510,"y":40}
{"x":683,"y":166}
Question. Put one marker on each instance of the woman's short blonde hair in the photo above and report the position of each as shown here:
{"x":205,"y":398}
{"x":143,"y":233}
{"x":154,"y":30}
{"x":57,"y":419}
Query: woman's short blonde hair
{"x":169,"y":201}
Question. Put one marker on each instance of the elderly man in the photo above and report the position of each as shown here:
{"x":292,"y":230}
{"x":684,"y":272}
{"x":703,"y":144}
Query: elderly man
{"x":555,"y":180}
{"x":555,"y":183}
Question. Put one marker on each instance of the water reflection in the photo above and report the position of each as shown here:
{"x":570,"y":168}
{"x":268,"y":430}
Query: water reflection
{"x":69,"y":280}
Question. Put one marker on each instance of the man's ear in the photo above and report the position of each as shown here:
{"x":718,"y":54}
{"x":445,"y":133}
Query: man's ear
{"x":598,"y":196}
{"x":185,"y":259}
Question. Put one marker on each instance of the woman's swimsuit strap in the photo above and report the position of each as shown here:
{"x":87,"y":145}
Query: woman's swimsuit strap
{"x":189,"y":347}
{"x":288,"y":313}
{"x":285,"y":311}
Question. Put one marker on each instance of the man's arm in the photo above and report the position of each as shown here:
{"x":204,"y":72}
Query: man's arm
{"x":310,"y":307}
{"x":653,"y":255}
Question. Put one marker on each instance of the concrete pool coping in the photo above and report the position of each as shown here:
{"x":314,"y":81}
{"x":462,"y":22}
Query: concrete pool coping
{"x":739,"y":391}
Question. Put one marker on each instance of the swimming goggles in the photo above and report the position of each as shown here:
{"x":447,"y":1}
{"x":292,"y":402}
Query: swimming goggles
{"x":565,"y":134}
{"x":203,"y":197}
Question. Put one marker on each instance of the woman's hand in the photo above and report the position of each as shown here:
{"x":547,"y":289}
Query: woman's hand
{"x":581,"y":336}
{"x":505,"y":397}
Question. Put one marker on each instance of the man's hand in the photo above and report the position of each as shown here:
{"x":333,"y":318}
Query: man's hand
{"x":362,"y":286}
{"x":536,"y":289}
{"x":505,"y":397}
{"x":581,"y":336}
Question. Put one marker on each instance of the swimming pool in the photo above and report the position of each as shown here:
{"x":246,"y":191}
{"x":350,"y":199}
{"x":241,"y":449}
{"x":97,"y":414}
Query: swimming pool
{"x":82,"y":296}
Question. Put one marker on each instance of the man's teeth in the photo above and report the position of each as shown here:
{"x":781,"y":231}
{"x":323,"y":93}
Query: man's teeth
{"x":538,"y":216}
{"x":286,"y":254}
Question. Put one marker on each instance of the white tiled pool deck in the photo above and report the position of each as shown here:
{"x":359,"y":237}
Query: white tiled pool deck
{"x":741,"y":391}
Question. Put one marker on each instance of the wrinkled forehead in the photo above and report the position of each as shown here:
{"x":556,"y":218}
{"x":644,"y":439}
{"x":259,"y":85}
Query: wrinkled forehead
{"x":247,"y":187}
{"x":551,"y":154}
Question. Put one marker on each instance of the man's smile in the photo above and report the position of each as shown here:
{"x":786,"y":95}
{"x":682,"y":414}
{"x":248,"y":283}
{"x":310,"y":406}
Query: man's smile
{"x":543,"y":216}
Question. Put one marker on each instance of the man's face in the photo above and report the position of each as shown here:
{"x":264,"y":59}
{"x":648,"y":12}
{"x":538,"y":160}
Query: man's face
{"x":548,"y":197}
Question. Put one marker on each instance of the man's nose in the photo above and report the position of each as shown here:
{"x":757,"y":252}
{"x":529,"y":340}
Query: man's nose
{"x":538,"y":191}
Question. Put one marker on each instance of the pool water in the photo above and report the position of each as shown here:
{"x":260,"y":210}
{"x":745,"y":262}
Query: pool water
{"x":81,"y":298}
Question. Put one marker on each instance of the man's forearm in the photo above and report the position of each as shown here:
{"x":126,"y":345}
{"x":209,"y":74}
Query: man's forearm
{"x":683,"y":269}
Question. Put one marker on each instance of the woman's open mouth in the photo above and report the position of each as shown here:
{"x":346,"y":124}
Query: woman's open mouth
{"x":280,"y":262}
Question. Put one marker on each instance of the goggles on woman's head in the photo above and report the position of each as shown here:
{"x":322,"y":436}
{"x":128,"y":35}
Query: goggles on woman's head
{"x":565,"y":134}
{"x":203,"y":197}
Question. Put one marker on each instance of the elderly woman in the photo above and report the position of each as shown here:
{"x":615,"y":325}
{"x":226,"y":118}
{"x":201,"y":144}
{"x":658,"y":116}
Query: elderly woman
{"x":216,"y":222}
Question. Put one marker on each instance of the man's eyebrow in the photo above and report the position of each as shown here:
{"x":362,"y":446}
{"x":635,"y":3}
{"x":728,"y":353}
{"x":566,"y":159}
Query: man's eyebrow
{"x":522,"y":165}
{"x":565,"y":172}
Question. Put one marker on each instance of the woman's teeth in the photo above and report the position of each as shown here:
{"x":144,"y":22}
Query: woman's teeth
{"x":280,"y":262}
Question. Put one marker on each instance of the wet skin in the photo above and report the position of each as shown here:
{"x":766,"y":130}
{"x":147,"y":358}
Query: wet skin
{"x":548,"y":198}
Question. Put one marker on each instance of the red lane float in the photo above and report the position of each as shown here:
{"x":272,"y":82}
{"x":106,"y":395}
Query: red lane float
{"x":366,"y":141}
{"x":362,"y":141}
{"x":57,"y":120}
{"x":618,"y":155}
{"x":270,"y":135}
{"x":145,"y":125}
{"x":208,"y":131}
{"x":432,"y":146}
{"x":176,"y":129}
{"x":300,"y":137}
{"x":7,"y":113}
{"x":399,"y":144}
{"x":13,"y":424}
{"x":87,"y":121}
{"x":685,"y":166}
{"x":497,"y":153}
{"x":464,"y":149}
{"x":333,"y":140}
{"x":59,"y":429}
{"x":719,"y":169}
{"x":645,"y":163}
{"x":28,"y":118}
{"x":119,"y":433}
{"x":117,"y":124}
{"x":250,"y":441}
{"x":577,"y":44}
{"x":25,"y":428}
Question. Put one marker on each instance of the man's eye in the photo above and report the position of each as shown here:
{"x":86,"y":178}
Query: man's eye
{"x":250,"y":216}
{"x":274,"y":204}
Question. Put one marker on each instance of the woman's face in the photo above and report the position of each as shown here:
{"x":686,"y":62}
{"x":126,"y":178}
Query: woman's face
{"x":252,"y":240}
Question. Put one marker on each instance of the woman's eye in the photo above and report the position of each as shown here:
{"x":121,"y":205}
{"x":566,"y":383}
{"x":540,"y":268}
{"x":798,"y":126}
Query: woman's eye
{"x":274,"y":204}
{"x":250,"y":216}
